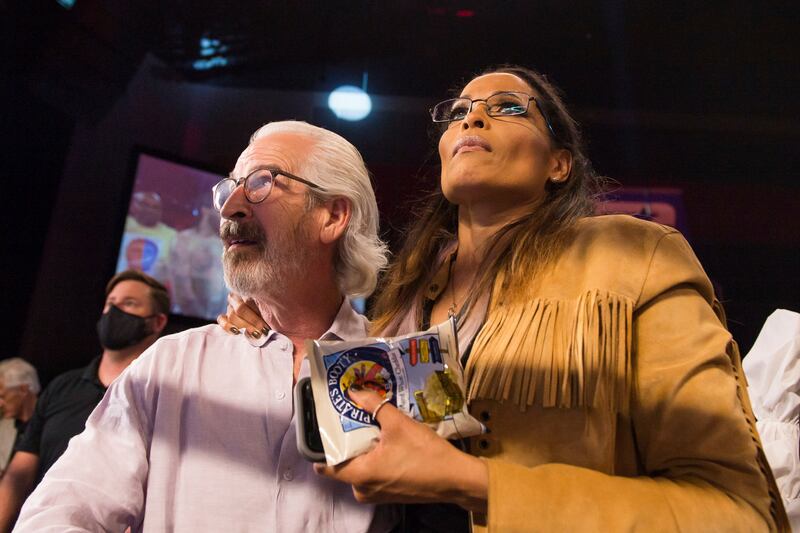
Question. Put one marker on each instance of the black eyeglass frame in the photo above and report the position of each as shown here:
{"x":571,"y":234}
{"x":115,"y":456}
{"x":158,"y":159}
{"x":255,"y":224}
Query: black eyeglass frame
{"x":489,"y":113}
{"x":275,"y":171}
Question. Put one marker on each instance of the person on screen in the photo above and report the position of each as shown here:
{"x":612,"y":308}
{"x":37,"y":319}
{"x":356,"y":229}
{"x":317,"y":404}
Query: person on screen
{"x":147,"y":241}
{"x":197,"y":281}
{"x":199,"y":434}
{"x":134,"y":315}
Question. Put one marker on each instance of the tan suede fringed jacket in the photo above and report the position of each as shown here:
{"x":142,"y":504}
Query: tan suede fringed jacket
{"x":615,"y":395}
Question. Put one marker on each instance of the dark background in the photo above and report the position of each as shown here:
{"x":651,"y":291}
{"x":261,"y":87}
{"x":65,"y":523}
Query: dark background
{"x":700,"y":97}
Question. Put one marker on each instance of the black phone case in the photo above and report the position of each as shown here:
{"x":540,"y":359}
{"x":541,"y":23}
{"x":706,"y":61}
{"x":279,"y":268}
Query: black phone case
{"x":309,"y":442}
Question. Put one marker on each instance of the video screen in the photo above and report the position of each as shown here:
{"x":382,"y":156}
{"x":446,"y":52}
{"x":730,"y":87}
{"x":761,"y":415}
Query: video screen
{"x":172,"y":233}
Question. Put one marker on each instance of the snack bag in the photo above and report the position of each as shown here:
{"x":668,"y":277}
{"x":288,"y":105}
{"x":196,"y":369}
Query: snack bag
{"x":420,"y":373}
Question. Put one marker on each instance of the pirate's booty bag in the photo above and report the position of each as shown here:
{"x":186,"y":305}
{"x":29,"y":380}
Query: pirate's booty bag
{"x":419,"y":373}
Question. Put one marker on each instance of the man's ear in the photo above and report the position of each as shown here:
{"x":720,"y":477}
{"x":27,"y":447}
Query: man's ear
{"x":160,"y":322}
{"x":560,"y":165}
{"x":336,"y":216}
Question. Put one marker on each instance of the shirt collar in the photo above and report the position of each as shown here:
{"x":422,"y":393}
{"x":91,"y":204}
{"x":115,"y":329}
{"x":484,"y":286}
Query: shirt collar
{"x":90,"y":372}
{"x":348,"y":324}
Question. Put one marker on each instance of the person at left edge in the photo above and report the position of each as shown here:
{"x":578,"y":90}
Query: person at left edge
{"x":134,"y":315}
{"x":19,"y":390}
{"x":199,"y":433}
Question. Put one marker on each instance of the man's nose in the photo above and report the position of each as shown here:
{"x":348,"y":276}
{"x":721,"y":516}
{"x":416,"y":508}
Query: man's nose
{"x":236,"y":207}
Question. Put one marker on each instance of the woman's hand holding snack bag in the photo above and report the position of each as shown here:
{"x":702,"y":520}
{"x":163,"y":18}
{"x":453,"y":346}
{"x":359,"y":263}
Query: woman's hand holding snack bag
{"x":410,"y":463}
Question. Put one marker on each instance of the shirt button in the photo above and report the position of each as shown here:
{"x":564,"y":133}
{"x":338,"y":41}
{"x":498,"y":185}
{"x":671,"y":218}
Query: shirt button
{"x":286,"y":346}
{"x":280,"y":395}
{"x":288,"y":475}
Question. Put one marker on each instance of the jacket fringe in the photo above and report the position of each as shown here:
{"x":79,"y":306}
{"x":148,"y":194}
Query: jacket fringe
{"x":555,"y":353}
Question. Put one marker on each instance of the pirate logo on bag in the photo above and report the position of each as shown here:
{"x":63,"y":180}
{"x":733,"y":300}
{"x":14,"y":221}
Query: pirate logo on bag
{"x":366,"y":367}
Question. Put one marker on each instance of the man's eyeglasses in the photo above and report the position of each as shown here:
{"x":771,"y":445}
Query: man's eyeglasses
{"x":257,"y":186}
{"x":505,"y":104}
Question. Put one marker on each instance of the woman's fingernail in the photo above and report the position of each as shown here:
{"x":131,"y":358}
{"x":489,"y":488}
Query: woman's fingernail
{"x":265,"y":330}
{"x":255,"y":334}
{"x":234,"y":330}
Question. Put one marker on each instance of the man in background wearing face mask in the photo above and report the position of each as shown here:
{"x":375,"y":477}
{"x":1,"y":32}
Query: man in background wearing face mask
{"x":134,"y":315}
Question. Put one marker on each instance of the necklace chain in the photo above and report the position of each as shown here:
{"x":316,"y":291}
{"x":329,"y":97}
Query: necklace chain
{"x":451,"y":312}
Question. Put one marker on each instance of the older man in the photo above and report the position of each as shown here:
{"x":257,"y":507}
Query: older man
{"x":199,"y":434}
{"x":19,"y":388}
{"x":134,"y":315}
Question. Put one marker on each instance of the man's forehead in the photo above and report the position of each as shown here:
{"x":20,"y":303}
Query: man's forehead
{"x":129,"y":288}
{"x":282,"y":149}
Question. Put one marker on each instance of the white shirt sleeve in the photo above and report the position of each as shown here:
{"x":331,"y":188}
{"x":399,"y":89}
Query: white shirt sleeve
{"x":99,"y":482}
{"x":772,"y":368}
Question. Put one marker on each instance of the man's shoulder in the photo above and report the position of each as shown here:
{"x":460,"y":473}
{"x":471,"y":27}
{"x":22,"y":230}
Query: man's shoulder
{"x":193,"y":334}
{"x":64,"y":385}
{"x":186,"y":342}
{"x":69,"y":377}
{"x":190,"y":341}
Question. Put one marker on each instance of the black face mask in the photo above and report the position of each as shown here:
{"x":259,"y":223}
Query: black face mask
{"x":118,"y":329}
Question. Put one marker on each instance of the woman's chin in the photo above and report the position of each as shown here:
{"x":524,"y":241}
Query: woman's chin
{"x":487,"y":195}
{"x":463,"y":194}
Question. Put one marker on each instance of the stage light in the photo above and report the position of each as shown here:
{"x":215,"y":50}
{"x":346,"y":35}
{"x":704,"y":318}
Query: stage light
{"x":208,"y":64}
{"x":349,"y":102}
{"x":66,"y":4}
{"x":212,"y":54}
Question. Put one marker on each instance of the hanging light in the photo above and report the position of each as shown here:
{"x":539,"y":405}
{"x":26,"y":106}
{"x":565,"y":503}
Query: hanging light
{"x":349,"y":102}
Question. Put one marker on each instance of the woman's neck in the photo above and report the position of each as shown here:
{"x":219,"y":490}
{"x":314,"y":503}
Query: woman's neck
{"x":478,"y":228}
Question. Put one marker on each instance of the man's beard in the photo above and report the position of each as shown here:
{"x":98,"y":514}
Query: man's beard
{"x":265,"y":267}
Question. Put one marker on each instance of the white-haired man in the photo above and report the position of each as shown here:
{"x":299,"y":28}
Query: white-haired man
{"x":198,"y":435}
{"x":19,"y":388}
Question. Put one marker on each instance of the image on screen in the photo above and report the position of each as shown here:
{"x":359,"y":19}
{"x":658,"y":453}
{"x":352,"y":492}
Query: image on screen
{"x":172,"y":233}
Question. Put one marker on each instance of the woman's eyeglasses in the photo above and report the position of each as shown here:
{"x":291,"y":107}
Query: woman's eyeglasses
{"x":505,"y":104}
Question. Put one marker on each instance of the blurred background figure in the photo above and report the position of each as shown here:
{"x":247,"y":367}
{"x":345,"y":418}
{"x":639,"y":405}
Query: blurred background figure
{"x":19,"y":388}
{"x":772,"y":368}
{"x":147,"y":240}
{"x":133,"y":317}
{"x":196,"y":279}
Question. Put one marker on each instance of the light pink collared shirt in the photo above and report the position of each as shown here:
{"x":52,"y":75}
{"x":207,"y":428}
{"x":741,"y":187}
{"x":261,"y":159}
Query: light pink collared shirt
{"x":198,"y":434}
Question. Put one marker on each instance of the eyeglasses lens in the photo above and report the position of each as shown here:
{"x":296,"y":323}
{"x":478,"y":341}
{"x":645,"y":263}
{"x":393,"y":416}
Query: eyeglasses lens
{"x":221,"y":192}
{"x":449,"y":110}
{"x":507,"y":104}
{"x":258,"y":185}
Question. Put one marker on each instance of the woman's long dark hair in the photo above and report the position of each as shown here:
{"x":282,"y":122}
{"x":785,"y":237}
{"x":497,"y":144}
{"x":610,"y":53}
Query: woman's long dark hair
{"x":521,"y":248}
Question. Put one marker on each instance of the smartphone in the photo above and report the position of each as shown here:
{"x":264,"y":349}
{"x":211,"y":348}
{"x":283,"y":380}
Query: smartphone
{"x":309,"y":442}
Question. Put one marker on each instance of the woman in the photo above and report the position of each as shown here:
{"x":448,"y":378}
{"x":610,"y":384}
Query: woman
{"x":595,"y":351}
